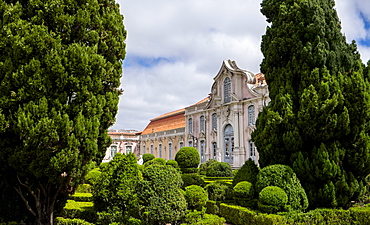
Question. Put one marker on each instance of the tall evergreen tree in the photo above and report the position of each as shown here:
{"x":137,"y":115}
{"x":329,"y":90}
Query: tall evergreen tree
{"x":60,"y":67}
{"x":318,"y":118}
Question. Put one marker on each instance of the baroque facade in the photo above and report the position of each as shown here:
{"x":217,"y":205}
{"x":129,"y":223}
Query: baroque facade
{"x":221,"y":127}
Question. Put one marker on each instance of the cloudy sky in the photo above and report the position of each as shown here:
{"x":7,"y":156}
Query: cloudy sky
{"x":176,"y":47}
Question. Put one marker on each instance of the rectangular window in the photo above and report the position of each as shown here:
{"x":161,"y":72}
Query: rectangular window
{"x":202,"y":156}
{"x":214,"y":146}
{"x":170,"y":151}
{"x":160,"y":150}
{"x":214,"y":121}
{"x":252,"y":151}
{"x":190,"y":144}
{"x":113,"y":151}
{"x":181,"y":144}
{"x":151,"y":149}
{"x":190,"y":125}
{"x":202,"y":123}
{"x":128,"y":149}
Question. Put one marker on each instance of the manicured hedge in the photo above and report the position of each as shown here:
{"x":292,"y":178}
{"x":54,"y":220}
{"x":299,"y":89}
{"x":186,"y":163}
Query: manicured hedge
{"x":81,"y":197}
{"x":238,"y":215}
{"x":79,"y":210}
{"x":67,"y":221}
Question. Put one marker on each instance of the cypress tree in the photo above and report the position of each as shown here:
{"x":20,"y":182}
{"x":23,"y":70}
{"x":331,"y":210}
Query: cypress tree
{"x":318,"y":118}
{"x":60,"y":67}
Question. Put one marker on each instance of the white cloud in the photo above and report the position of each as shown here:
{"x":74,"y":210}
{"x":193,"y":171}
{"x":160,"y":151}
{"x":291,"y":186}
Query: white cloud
{"x":184,"y":43}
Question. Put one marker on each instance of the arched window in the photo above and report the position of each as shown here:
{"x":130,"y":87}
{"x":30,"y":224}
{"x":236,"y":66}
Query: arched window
{"x":202,"y":123}
{"x":227,"y":90}
{"x":214,"y":121}
{"x":181,"y":144}
{"x":190,"y":125}
{"x":251,"y":120}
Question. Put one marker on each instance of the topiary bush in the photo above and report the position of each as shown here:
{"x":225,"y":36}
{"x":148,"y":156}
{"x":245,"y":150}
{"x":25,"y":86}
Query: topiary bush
{"x":147,"y":157}
{"x":196,"y":197}
{"x":92,"y":176}
{"x":203,"y":167}
{"x":172,"y":163}
{"x":159,"y":161}
{"x":187,"y":157}
{"x":243,"y":193}
{"x":160,"y":198}
{"x":192,"y":179}
{"x":219,"y":169}
{"x":272,"y":199}
{"x":217,"y":191}
{"x":115,"y":190}
{"x":248,"y":172}
{"x":284,"y":177}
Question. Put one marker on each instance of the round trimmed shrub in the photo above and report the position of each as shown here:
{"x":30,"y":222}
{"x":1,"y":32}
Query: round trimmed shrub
{"x":147,"y":157}
{"x":219,"y":169}
{"x":284,"y":177}
{"x":244,"y":189}
{"x":192,"y":179}
{"x":203,"y":167}
{"x":272,"y":199}
{"x":248,"y":172}
{"x":159,"y":161}
{"x":243,"y":194}
{"x":172,"y":163}
{"x":217,"y":191}
{"x":187,"y":157}
{"x":196,"y":197}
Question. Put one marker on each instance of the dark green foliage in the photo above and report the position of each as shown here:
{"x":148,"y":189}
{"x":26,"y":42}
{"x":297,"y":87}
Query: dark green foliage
{"x":283,"y":176}
{"x":188,"y":157}
{"x":92,"y":176}
{"x":272,"y":199}
{"x":115,"y":190}
{"x":160,"y":197}
{"x":248,"y":172}
{"x":172,"y":163}
{"x":318,"y":118}
{"x":217,"y":191}
{"x":203,"y":167}
{"x":147,"y":157}
{"x":192,"y":179}
{"x":196,"y":197}
{"x":60,"y":69}
{"x":219,"y":169}
{"x":189,"y":170}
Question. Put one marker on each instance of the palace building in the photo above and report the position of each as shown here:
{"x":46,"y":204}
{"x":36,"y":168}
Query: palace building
{"x":219,"y":126}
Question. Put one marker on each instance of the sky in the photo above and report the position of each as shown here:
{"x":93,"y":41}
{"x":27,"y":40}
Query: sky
{"x":174,"y":49}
